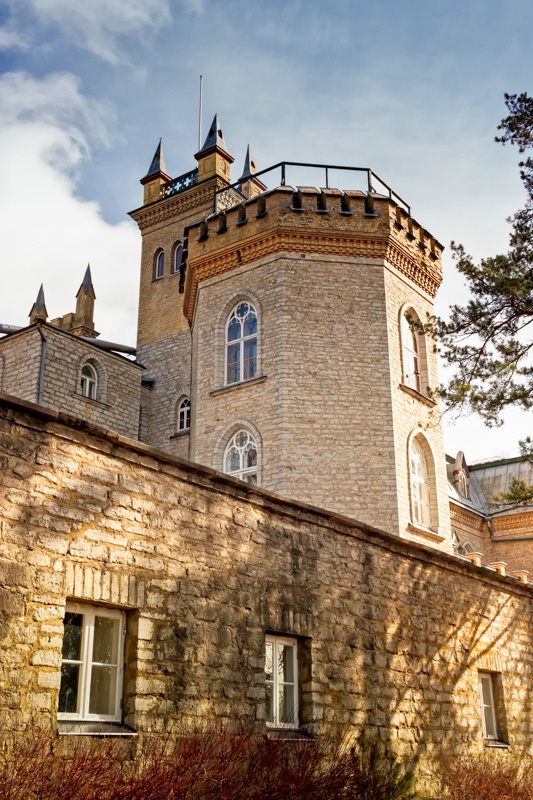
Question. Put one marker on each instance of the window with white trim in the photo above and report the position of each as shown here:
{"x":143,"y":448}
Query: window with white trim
{"x":184,"y":415}
{"x":488,"y":707}
{"x":240,"y":457}
{"x":241,"y":344}
{"x":92,"y":663}
{"x":420,"y":488}
{"x":281,"y":682}
{"x":159,"y":267}
{"x":88,"y":381}
{"x":411,"y":355}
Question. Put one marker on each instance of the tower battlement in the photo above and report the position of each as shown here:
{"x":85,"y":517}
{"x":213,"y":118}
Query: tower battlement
{"x":308,"y":220}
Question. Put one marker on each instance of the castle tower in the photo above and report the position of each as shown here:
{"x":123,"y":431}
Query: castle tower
{"x":295,"y":343}
{"x":163,"y":333}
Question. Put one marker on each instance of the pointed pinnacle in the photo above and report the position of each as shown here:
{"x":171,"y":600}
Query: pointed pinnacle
{"x":158,"y":161}
{"x":39,"y":303}
{"x":214,"y":137}
{"x":249,"y":166}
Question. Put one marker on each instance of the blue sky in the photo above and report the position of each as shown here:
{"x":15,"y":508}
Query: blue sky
{"x":412,"y":89}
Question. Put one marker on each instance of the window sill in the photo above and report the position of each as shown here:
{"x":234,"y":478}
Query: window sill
{"x":416,"y":394}
{"x":178,"y":434}
{"x":288,"y":734}
{"x":239,"y":385}
{"x":427,"y":532}
{"x":97,"y":403}
{"x":495,"y":743}
{"x":65,"y":728}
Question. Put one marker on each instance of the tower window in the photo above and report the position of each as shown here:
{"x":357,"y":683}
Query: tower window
{"x":184,"y":415}
{"x":177,"y":259}
{"x":159,"y":265}
{"x":411,"y":354}
{"x":241,"y":344}
{"x":420,"y":485}
{"x":240,"y":457}
{"x":88,"y":381}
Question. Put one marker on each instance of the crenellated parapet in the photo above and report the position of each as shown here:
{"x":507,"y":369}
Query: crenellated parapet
{"x":307,"y":220}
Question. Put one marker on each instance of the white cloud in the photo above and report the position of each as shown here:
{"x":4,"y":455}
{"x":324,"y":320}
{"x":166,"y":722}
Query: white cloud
{"x":49,"y":233}
{"x":10,"y":39}
{"x":98,"y":25}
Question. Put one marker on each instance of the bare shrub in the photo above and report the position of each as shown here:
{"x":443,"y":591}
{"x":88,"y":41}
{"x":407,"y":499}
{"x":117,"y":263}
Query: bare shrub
{"x":488,"y":777}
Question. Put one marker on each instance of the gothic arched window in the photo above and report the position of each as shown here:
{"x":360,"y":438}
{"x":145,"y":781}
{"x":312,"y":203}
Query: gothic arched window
{"x":159,"y":266}
{"x":177,"y":257}
{"x":88,"y":381}
{"x":411,"y":355}
{"x":240,"y":457}
{"x":184,"y":415}
{"x":241,"y":344}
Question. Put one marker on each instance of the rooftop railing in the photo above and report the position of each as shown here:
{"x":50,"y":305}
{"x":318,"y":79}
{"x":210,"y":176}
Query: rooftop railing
{"x":227,"y":197}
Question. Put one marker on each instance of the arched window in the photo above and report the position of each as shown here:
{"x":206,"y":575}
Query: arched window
{"x":420,"y":487}
{"x":88,"y":381}
{"x":240,"y":457}
{"x":177,"y":257}
{"x":159,"y":268}
{"x":241,"y":344}
{"x":411,"y":355}
{"x":184,"y":415}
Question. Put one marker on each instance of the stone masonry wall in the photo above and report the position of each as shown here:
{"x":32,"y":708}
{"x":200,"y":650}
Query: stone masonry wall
{"x":21,"y":353}
{"x":391,"y":635}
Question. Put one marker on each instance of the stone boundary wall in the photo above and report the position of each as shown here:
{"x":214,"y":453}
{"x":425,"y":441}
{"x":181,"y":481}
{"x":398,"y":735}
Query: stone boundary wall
{"x":391,"y":635}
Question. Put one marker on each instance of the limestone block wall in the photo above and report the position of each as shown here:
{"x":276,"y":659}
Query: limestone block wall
{"x":119,"y":380}
{"x":21,"y":355}
{"x":322,"y":406}
{"x":391,"y":635}
{"x":415,"y":412}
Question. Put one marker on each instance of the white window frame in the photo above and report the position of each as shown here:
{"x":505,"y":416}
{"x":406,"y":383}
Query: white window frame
{"x":184,"y":415}
{"x":276,"y":642}
{"x":420,"y":484}
{"x":411,"y":355}
{"x":243,"y":473}
{"x":488,"y":707}
{"x":242,"y":341}
{"x":86,"y":663}
{"x":89,"y":382}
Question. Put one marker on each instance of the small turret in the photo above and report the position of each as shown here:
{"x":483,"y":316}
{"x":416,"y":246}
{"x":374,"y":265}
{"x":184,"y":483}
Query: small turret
{"x":38,"y":310}
{"x":214,"y":159}
{"x":156,"y":176}
{"x":250,"y":186}
{"x":83,"y":324}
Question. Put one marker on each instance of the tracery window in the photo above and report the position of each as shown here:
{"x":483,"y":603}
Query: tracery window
{"x":241,"y":344}
{"x":411,"y":353}
{"x":420,"y":487}
{"x":240,"y":457}
{"x":184,"y":415}
{"x":88,"y":381}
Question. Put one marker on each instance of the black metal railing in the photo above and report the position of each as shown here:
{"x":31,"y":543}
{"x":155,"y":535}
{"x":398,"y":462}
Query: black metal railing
{"x":373,"y":183}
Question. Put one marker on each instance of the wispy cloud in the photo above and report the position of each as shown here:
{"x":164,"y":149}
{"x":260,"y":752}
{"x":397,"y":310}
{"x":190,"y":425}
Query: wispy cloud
{"x":10,"y":39}
{"x":46,"y":131}
{"x":100,"y":25}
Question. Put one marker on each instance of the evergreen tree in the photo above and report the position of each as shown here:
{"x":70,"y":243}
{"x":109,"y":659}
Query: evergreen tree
{"x":489,"y":341}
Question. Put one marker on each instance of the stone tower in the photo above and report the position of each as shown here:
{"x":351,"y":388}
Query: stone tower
{"x":277,"y":331}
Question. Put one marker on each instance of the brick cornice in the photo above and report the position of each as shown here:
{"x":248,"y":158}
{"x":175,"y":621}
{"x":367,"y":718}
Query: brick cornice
{"x":339,"y":244}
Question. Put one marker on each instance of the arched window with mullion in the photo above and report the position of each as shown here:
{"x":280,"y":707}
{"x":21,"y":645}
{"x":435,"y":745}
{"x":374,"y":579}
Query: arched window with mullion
{"x":241,"y":344}
{"x":240,"y":457}
{"x":411,"y":354}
